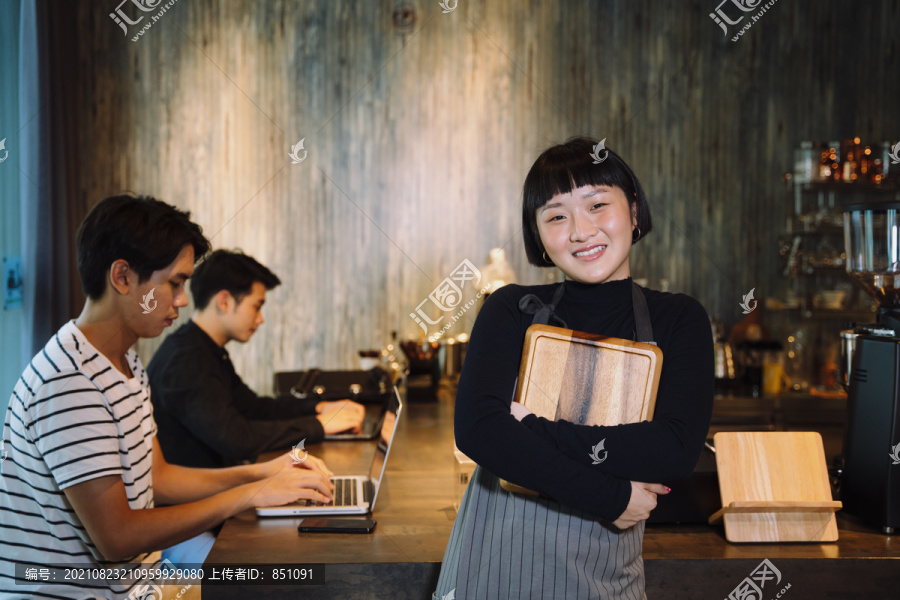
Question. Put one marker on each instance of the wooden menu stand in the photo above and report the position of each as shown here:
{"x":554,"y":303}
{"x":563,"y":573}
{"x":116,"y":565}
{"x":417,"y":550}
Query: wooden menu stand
{"x":774,"y":487}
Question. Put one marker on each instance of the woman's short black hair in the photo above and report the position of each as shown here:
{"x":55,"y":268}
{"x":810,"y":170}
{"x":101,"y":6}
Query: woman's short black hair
{"x":564,"y":167}
{"x":228,"y":270}
{"x":146,"y":232}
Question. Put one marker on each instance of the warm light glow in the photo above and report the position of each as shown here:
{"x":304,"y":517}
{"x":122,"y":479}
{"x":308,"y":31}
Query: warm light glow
{"x":856,"y":140}
{"x":461,"y":338}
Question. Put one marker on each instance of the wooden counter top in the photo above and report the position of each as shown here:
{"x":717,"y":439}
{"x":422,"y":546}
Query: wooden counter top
{"x":415,"y":514}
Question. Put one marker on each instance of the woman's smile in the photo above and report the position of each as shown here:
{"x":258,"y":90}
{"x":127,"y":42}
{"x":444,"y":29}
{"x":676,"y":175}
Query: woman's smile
{"x":592,"y":252}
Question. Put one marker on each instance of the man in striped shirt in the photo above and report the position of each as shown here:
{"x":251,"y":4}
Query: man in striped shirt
{"x":83,"y":469}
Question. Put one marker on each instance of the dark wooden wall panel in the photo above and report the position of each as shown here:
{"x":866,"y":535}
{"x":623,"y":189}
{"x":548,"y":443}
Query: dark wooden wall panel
{"x":419,"y":142}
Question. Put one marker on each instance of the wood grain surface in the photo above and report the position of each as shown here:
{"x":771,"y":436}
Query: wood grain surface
{"x":587,"y":379}
{"x":783,"y":469}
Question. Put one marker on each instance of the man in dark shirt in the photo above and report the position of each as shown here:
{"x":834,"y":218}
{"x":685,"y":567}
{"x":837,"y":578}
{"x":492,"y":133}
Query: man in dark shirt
{"x":207,"y":416}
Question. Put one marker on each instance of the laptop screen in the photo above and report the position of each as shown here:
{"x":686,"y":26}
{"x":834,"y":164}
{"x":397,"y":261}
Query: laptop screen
{"x":385,"y":439}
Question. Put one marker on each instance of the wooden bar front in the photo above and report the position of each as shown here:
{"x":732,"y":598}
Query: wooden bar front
{"x":415,"y":514}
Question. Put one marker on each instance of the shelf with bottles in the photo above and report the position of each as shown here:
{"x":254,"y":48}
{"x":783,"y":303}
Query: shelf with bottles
{"x":817,"y":209}
{"x":809,"y":255}
{"x":827,"y":177}
{"x":837,"y":165}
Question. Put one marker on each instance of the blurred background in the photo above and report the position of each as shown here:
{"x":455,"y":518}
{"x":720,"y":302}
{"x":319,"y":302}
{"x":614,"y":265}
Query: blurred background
{"x":418,"y":126}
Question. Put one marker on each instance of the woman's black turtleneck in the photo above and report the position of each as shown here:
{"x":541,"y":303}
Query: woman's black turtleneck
{"x":554,"y":458}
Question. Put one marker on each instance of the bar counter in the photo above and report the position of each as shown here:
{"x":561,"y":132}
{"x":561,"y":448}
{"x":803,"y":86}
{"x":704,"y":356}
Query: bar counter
{"x":415,"y":513}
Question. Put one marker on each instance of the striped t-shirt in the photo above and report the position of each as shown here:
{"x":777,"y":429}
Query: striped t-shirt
{"x":72,"y":417}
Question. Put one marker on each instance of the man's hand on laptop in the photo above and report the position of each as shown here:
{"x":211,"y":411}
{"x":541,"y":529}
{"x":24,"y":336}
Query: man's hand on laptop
{"x":324,"y":408}
{"x":290,"y":485}
{"x":286,"y":461}
{"x":340,"y":416}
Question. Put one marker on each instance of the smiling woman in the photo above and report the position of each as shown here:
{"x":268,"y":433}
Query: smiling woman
{"x":574,"y":211}
{"x":582,"y":537}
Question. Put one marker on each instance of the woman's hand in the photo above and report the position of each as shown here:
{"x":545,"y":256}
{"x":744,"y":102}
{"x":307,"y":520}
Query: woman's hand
{"x":518,"y":411}
{"x":643,"y":500}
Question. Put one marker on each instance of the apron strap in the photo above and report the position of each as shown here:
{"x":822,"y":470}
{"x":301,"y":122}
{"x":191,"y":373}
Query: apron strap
{"x":532,"y":305}
{"x":641,"y":315}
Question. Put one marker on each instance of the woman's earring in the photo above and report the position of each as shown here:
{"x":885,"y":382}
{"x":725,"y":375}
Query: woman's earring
{"x":633,"y":238}
{"x":547,"y":258}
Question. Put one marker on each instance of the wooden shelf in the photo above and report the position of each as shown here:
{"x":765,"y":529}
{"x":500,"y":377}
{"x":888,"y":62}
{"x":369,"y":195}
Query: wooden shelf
{"x":842,"y":186}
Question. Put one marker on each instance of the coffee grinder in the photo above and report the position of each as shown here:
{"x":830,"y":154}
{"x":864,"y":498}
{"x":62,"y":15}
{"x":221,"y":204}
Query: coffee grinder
{"x":870,"y":483}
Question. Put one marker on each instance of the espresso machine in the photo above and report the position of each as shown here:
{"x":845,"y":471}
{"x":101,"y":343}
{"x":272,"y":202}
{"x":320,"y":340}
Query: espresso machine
{"x":870,"y":481}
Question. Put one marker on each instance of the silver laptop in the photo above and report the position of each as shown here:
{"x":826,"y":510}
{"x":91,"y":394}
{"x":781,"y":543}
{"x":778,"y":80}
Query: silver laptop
{"x":355,"y":494}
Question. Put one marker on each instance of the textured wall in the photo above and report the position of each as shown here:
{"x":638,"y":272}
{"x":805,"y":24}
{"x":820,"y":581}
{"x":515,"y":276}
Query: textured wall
{"x":418,"y":141}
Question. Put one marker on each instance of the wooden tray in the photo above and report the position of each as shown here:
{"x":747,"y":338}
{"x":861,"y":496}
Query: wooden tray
{"x":774,"y":487}
{"x":586,"y":379}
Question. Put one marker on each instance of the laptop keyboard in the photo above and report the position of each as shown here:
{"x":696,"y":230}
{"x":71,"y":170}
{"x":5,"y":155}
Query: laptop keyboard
{"x":344,"y":493}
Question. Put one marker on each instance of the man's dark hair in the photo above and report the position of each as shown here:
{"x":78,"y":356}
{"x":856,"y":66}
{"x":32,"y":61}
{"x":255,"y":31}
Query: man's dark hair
{"x":146,"y":232}
{"x":228,"y":270}
{"x":562,"y":168}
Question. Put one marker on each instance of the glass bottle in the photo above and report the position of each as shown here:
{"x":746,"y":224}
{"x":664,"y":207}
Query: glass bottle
{"x":825,"y":160}
{"x":865,"y":164}
{"x":834,"y":156}
{"x":850,"y":166}
{"x":805,"y":163}
{"x":888,"y":169}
